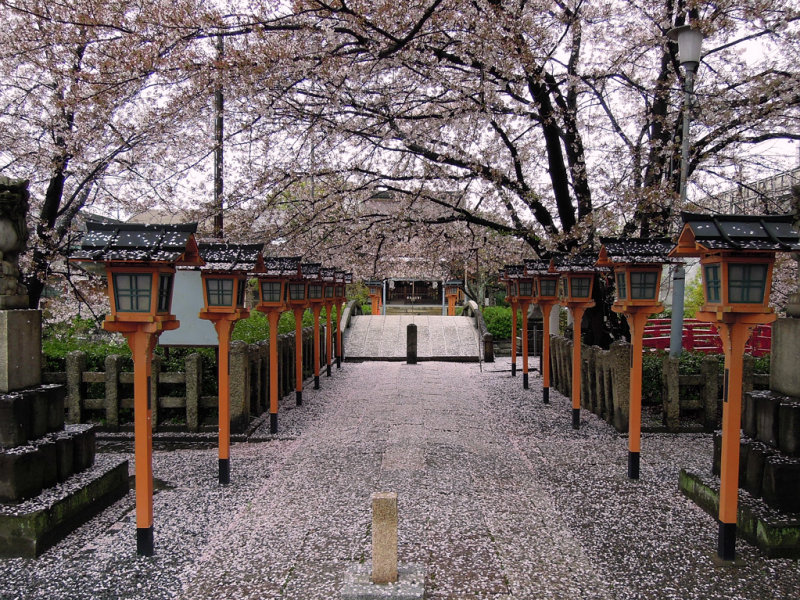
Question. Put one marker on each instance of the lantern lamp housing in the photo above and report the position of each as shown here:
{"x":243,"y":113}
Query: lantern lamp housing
{"x":638,"y":265}
{"x":273,"y":282}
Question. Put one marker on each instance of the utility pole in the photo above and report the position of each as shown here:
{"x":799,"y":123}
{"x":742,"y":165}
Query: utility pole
{"x":218,"y":143}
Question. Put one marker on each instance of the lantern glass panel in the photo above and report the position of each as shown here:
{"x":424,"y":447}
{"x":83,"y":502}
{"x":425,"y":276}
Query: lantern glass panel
{"x":643,"y":285}
{"x":526,"y":288}
{"x":512,"y":288}
{"x":329,"y":291}
{"x":547,"y":287}
{"x":580,"y":286}
{"x":297,"y":291}
{"x":271,"y":291}
{"x":165,"y":292}
{"x":132,"y":291}
{"x":340,"y":291}
{"x":746,"y":283}
{"x":563,"y":287}
{"x":220,"y":292}
{"x":622,"y":288}
{"x":241,"y":292}
{"x":713,"y":283}
{"x":315,"y":291}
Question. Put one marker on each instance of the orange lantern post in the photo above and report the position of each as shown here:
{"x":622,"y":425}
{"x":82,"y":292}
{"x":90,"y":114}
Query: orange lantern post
{"x":736,"y":253}
{"x":224,"y":278}
{"x":546,"y":287}
{"x":328,"y":276}
{"x":507,"y":275}
{"x":451,"y":292}
{"x":637,"y":265}
{"x":576,"y":284}
{"x":525,"y":295}
{"x":375,"y":294}
{"x":272,"y":290}
{"x":298,"y":302}
{"x":140,"y":263}
{"x":316,"y":297}
{"x":340,"y":299}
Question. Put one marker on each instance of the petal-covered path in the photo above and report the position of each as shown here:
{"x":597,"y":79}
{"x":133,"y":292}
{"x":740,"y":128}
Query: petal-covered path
{"x":499,"y":499}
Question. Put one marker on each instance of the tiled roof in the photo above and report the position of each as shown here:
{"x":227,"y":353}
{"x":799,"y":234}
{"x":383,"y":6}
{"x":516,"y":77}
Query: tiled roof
{"x":574,"y":263}
{"x":635,"y":250}
{"x":222,"y":256}
{"x":281,"y":266}
{"x":743,"y":232}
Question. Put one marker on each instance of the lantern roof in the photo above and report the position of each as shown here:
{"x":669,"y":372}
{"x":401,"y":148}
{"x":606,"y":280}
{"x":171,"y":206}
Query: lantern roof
{"x":634,"y":251}
{"x":372,"y":282}
{"x":281,"y":266}
{"x":705,"y":233}
{"x":514,"y":271}
{"x":573,"y":263}
{"x":454,"y":282}
{"x":139,"y":242}
{"x":310,"y":270}
{"x":224,"y":256}
{"x":537,"y":266}
{"x":339,"y":276}
{"x":348,"y":278}
{"x":327,"y":274}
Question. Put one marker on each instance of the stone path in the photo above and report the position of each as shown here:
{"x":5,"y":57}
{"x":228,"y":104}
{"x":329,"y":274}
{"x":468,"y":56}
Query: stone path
{"x":384,"y":337}
{"x":498,"y":497}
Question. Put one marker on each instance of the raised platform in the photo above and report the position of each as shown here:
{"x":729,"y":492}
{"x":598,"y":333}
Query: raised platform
{"x":776,"y":534}
{"x":27,"y":529}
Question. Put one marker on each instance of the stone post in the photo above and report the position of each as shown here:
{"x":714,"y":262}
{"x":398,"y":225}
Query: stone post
{"x":76,"y":365}
{"x":411,"y":344}
{"x":239,"y":380}
{"x":671,"y":392}
{"x":621,"y":377}
{"x":112,"y":366}
{"x":384,"y":537}
{"x":194,"y":370}
{"x":709,"y":369}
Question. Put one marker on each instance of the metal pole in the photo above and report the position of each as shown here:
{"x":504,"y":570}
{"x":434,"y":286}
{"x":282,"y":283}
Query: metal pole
{"x":679,"y":277}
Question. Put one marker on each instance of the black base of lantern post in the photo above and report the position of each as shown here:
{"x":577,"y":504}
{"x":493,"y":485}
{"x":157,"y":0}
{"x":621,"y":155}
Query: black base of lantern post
{"x":273,"y":422}
{"x":144,"y":541}
{"x":513,"y":369}
{"x":524,"y":381}
{"x":328,"y":370}
{"x":546,"y":395}
{"x":224,"y":471}
{"x":338,"y":362}
{"x":316,"y":382}
{"x":633,"y":465}
{"x":576,"y":418}
{"x":727,"y":541}
{"x":298,"y":395}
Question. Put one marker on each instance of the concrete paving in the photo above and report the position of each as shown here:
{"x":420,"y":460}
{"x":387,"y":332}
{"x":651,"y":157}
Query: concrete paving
{"x":377,"y":337}
{"x":499,"y":498}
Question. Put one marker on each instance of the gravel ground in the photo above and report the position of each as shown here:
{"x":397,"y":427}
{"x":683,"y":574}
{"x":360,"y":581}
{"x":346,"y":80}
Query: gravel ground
{"x":499,"y":498}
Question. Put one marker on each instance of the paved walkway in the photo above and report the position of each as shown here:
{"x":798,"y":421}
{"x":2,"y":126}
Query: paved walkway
{"x":376,"y":337}
{"x":499,"y":499}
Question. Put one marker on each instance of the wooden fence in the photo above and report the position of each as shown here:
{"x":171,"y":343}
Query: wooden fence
{"x":249,"y":385}
{"x":605,"y":385}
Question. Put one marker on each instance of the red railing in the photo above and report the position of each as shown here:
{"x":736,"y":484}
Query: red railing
{"x":702,"y":337}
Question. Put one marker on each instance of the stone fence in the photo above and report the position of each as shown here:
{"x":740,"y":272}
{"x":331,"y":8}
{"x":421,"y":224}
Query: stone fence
{"x":605,"y":385}
{"x":249,"y":385}
{"x":486,"y":339}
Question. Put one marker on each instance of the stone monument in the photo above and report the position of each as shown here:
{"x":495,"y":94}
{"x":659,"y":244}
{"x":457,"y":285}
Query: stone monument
{"x":37,"y":451}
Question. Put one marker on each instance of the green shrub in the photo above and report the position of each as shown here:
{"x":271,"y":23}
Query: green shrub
{"x":498,"y":321}
{"x":59,"y":339}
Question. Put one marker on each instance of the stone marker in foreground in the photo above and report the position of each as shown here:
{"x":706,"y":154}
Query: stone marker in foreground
{"x":383,"y":577}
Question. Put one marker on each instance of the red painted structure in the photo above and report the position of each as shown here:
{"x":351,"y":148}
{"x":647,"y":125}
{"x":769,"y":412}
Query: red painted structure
{"x":699,"y":336}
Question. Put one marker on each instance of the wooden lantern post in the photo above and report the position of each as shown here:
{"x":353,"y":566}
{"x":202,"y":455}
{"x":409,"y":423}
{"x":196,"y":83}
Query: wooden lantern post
{"x":576,"y":284}
{"x":140,"y":263}
{"x":272,"y":290}
{"x":298,"y":301}
{"x":340,"y":299}
{"x":328,"y":276}
{"x":451,"y":292}
{"x":513,"y":299}
{"x":736,"y":253}
{"x":375,"y":294}
{"x":637,"y":265}
{"x":546,"y":286}
{"x":224,"y":278}
{"x":316,"y":297}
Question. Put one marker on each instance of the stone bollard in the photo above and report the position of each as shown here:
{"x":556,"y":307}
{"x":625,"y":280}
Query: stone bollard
{"x":384,"y":537}
{"x":411,"y":344}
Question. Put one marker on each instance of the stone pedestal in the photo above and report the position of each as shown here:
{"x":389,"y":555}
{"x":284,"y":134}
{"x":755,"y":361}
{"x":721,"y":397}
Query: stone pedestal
{"x":20,"y":349}
{"x":784,"y":376}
